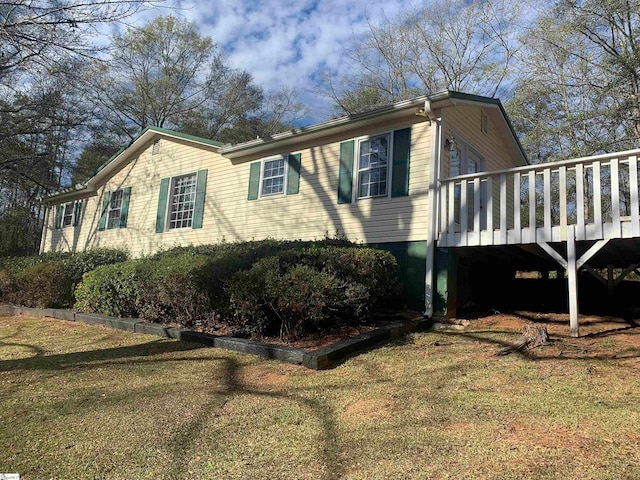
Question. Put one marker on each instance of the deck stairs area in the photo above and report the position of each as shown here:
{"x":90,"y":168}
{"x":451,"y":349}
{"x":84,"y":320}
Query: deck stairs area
{"x":583,"y":213}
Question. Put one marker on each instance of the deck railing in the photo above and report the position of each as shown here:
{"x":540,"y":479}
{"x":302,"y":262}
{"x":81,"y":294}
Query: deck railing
{"x":599,"y":195}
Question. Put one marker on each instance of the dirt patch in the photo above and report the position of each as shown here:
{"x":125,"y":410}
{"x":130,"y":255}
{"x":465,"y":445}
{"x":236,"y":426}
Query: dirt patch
{"x":600,"y":336}
{"x":533,"y":432}
{"x":369,"y":410}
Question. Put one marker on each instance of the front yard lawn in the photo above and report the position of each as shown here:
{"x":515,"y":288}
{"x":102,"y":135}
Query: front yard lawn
{"x":86,"y":402}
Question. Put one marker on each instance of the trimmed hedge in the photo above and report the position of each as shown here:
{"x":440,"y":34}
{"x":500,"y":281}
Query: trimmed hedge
{"x":171,"y":289}
{"x":49,"y":280}
{"x":296,"y":292}
{"x":252,"y":288}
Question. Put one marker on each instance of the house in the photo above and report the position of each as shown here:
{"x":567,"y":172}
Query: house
{"x":371,"y":178}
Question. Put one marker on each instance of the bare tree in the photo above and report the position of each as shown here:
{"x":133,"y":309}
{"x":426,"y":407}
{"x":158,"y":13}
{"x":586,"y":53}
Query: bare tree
{"x":458,"y":44}
{"x":47,"y":34}
{"x":167,"y":75}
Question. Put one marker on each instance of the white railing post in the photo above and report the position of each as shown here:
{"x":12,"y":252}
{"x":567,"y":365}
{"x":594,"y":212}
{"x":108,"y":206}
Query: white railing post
{"x":532,"y":206}
{"x":489,"y":209}
{"x":633,"y":187}
{"x":615,"y":199}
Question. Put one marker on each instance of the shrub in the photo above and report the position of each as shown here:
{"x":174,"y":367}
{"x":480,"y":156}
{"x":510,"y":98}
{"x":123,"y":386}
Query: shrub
{"x":49,"y":280}
{"x":165,"y":290}
{"x":255,"y":288}
{"x":296,"y":292}
{"x":43,"y":285}
{"x":111,"y":290}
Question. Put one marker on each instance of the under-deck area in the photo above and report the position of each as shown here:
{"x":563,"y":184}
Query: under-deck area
{"x":580,"y":217}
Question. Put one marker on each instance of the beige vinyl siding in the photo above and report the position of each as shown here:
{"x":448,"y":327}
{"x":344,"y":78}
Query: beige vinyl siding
{"x":464,"y":123}
{"x":229,"y":216}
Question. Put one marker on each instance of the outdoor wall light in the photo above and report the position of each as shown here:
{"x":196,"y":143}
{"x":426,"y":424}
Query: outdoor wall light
{"x":451,"y":145}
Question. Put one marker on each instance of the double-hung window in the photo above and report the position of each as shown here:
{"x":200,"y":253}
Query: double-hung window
{"x":68,"y":214}
{"x":183,"y":198}
{"x":181,"y":201}
{"x":67,"y":217}
{"x":273,"y":176}
{"x":115,"y":209}
{"x":373,"y":166}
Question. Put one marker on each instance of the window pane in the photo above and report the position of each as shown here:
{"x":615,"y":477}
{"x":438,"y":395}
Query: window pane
{"x":372,"y":166}
{"x":273,"y":177}
{"x":67,"y":219}
{"x":115,"y":208}
{"x":182,"y":201}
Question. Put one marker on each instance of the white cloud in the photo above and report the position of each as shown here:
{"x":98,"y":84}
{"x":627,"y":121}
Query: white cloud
{"x":286,"y":42}
{"x":282,"y":42}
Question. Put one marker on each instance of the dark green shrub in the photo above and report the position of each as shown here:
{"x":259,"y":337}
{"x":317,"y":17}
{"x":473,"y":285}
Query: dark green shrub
{"x":111,"y":289}
{"x":177,"y":289}
{"x":254,"y":288}
{"x":43,"y":285}
{"x":168,"y":290}
{"x":49,"y":280}
{"x":300,"y":291}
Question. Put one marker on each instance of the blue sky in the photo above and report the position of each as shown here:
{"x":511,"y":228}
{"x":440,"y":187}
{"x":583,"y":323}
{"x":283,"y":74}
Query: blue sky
{"x":293,"y":43}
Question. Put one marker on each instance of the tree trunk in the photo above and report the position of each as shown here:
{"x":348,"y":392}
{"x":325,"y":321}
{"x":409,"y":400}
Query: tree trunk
{"x":534,"y":336}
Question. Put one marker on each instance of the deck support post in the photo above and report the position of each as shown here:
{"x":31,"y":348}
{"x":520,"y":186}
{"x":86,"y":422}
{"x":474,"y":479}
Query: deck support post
{"x":432,"y":231}
{"x":572,"y":276}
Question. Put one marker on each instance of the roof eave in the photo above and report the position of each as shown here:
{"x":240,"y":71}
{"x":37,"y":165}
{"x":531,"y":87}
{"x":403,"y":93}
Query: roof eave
{"x":438,"y":100}
{"x":143,"y":138}
{"x":335,"y":125}
{"x":79,"y":191}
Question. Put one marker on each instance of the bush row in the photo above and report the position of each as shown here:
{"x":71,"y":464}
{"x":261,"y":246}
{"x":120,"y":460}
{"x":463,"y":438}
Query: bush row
{"x":49,"y":280}
{"x":252,"y":288}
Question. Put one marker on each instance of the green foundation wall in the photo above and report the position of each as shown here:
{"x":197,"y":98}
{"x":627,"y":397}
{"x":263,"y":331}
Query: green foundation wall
{"x":445,"y":282}
{"x":411,"y":258}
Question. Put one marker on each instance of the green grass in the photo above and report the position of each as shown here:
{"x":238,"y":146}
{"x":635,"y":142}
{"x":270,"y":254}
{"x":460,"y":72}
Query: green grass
{"x":86,"y":402}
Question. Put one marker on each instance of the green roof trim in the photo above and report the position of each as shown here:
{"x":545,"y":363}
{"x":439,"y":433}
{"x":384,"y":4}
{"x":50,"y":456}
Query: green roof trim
{"x":164,"y":131}
{"x":186,"y":136}
{"x":494,"y":101}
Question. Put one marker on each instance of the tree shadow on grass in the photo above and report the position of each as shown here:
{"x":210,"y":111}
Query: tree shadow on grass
{"x":41,"y":361}
{"x":37,"y":351}
{"x":561,"y":348}
{"x":183,"y":441}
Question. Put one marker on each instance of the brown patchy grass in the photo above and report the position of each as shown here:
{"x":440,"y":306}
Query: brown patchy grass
{"x":86,"y":402}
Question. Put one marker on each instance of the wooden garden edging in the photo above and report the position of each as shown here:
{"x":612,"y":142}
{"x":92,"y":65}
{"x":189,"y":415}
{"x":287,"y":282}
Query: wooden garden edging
{"x":319,"y":359}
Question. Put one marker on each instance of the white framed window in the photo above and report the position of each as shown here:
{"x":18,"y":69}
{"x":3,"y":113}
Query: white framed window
{"x":114,"y":211}
{"x":182,"y":201}
{"x":273,"y":176}
{"x":67,"y":217}
{"x":373,"y":172}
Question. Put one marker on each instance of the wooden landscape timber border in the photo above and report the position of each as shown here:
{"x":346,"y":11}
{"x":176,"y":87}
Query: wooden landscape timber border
{"x":319,"y":359}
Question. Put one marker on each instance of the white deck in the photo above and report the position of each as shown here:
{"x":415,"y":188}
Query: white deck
{"x":597,"y":195}
{"x":582,"y":203}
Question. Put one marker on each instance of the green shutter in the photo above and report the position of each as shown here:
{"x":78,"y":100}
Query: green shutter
{"x":201,"y":189}
{"x":401,"y":153}
{"x":77,"y":209}
{"x":58,"y":220}
{"x":254,"y":180}
{"x":105,"y":210}
{"x":124,"y":207}
{"x":293,"y":175}
{"x":345,"y":174}
{"x":162,"y":205}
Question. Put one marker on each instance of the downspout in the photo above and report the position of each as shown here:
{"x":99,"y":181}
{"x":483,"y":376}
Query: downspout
{"x":44,"y":228}
{"x":432,"y":232}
